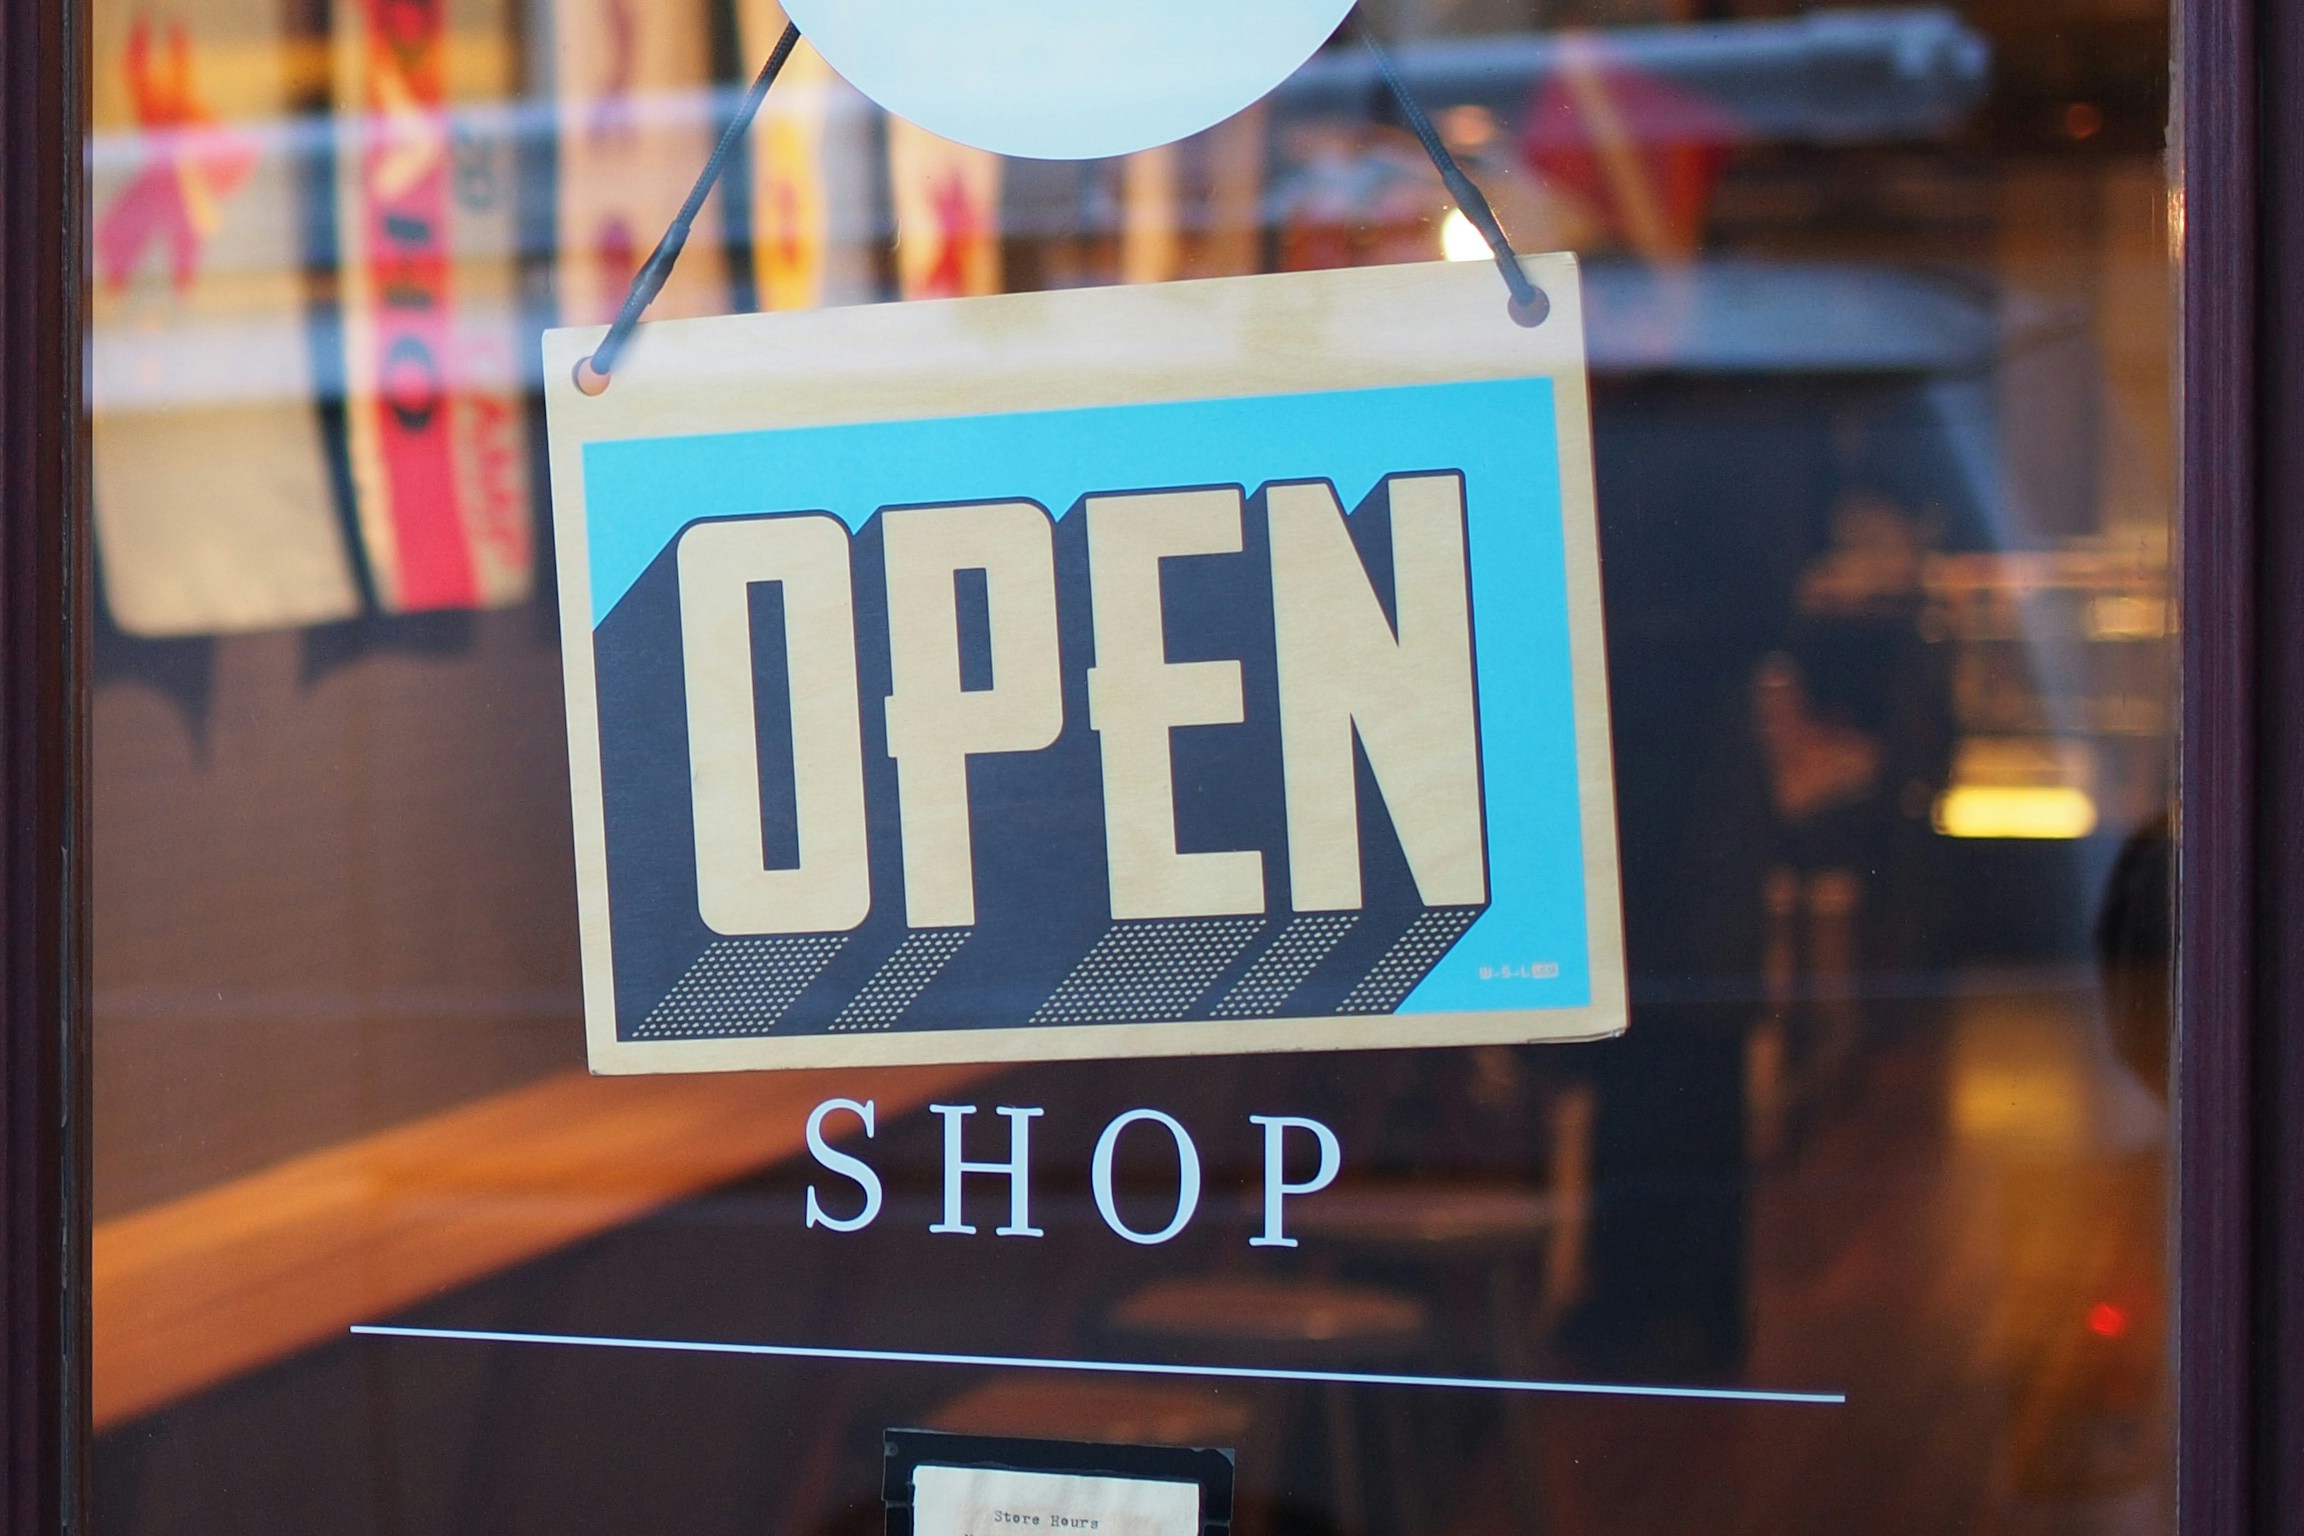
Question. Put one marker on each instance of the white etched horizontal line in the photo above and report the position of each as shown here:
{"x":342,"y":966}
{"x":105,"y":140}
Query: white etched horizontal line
{"x":1125,"y":1367}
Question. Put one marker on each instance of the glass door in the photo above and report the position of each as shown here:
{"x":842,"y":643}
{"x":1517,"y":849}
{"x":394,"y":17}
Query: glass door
{"x":1860,"y":1219}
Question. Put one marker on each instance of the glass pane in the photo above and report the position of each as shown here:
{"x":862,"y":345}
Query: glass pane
{"x":1860,"y":1222}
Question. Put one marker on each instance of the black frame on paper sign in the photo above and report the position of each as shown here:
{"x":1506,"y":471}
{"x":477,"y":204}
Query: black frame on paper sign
{"x":905,"y":1451}
{"x":2238,"y":125}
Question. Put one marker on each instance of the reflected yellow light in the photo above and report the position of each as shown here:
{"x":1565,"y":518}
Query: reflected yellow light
{"x":1460,"y":238}
{"x":2115,"y":617}
{"x":2015,"y":810}
{"x":2020,"y":1072}
{"x":2032,"y":1107}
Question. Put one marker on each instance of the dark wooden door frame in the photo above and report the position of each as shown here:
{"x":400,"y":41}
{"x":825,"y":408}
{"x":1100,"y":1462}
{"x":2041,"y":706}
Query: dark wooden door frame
{"x":2276,"y":1309}
{"x":43,"y":822}
{"x":2239,"y":154}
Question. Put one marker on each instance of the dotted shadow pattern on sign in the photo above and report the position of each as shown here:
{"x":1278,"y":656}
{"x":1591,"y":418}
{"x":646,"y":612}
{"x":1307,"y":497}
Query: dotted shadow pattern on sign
{"x":739,"y":984}
{"x":883,"y":999}
{"x":1148,"y":970}
{"x":1265,"y":987}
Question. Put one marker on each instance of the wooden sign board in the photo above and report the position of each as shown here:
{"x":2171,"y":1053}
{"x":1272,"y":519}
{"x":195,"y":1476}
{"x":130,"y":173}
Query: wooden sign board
{"x":1177,"y":669}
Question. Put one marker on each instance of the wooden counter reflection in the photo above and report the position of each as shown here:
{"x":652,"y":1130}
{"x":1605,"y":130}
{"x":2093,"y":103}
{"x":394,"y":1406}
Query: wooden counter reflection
{"x":199,"y":1289}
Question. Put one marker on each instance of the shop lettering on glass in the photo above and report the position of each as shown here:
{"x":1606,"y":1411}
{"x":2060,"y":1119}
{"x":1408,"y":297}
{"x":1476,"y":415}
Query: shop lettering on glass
{"x":1285,"y":1140}
{"x":1185,"y":725}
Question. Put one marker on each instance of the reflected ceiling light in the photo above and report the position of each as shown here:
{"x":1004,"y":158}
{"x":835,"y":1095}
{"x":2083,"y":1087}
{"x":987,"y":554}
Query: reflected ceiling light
{"x":1460,"y":238}
{"x":2015,"y":810}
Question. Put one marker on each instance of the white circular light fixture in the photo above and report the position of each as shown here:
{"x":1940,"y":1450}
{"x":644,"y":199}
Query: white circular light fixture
{"x":1066,"y":79}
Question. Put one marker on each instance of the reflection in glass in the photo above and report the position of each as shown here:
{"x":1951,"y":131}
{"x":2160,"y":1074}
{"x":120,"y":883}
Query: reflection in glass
{"x":1880,"y":335}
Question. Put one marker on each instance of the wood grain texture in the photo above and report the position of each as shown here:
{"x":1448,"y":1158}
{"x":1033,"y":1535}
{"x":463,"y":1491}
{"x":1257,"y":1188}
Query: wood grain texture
{"x":2216,"y":136}
{"x":43,"y":622}
{"x":200,"y":1289}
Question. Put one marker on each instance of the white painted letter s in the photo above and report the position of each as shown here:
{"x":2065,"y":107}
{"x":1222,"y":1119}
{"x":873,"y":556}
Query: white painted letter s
{"x":839,"y":1162}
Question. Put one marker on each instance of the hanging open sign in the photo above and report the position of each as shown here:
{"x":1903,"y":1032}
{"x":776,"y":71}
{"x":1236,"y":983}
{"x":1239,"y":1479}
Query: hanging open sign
{"x":1187,"y":668}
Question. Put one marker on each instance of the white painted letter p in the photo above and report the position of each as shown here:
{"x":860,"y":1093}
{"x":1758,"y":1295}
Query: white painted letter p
{"x":1276,"y":1185}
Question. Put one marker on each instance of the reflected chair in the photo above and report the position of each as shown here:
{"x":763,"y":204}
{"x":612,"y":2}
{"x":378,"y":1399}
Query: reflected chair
{"x":1304,"y":1324}
{"x":1499,"y":1230}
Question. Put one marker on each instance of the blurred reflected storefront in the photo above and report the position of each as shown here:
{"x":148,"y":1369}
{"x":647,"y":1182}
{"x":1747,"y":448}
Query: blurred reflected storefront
{"x":1882,"y":348}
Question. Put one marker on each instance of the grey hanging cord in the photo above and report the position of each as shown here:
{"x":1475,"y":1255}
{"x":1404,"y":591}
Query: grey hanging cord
{"x":1528,"y":306}
{"x":592,"y":373}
